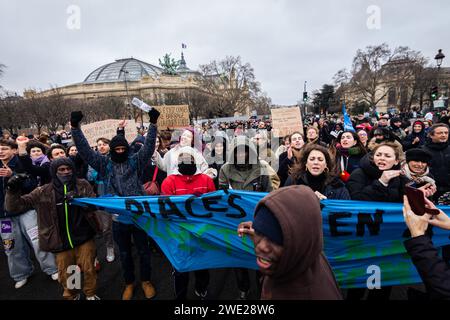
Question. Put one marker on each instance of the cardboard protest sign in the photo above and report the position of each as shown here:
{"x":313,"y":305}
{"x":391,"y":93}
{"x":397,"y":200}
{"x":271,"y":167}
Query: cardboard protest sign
{"x":286,"y":121}
{"x":173,"y":116}
{"x":108,"y":129}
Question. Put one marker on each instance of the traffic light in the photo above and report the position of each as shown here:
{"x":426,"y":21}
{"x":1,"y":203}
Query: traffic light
{"x":305,"y":96}
{"x":434,"y":93}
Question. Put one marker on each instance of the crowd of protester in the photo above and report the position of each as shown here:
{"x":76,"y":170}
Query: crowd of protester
{"x":372,"y":161}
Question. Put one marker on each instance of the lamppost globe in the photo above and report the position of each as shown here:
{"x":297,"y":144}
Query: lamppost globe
{"x":439,"y":57}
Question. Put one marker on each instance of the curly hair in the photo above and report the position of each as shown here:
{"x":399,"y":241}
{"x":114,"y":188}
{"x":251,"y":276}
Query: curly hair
{"x":300,"y":168}
{"x":35,"y":144}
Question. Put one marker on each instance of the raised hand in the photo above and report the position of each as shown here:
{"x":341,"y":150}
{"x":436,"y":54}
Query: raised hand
{"x":441,"y":220}
{"x":246,"y":228}
{"x":154,"y":115}
{"x":417,"y":225}
{"x":122,"y":123}
{"x":75,"y":118}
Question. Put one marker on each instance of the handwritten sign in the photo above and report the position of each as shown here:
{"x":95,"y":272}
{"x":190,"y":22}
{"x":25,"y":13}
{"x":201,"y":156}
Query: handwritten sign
{"x":286,"y":121}
{"x":108,"y":129}
{"x":173,"y":116}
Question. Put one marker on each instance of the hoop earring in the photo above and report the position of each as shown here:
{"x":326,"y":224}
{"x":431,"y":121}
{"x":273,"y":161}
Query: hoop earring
{"x":326,"y":170}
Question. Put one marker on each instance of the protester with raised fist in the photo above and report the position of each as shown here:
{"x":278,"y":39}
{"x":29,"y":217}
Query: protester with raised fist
{"x":122,"y":174}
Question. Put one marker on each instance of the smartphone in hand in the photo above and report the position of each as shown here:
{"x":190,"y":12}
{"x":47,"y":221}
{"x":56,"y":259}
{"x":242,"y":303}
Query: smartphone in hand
{"x":416,"y":200}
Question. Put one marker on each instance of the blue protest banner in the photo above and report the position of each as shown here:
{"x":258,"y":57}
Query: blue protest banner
{"x":200,"y":233}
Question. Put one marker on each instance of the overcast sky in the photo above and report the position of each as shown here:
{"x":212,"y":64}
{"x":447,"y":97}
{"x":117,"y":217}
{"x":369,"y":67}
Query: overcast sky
{"x":286,"y":41}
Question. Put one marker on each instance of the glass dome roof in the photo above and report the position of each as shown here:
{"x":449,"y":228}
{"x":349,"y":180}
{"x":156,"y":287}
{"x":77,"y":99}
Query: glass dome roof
{"x":132,"y":68}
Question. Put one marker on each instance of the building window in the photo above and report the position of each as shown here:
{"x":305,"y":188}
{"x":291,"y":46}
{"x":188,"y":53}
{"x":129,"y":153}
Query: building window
{"x":392,"y":96}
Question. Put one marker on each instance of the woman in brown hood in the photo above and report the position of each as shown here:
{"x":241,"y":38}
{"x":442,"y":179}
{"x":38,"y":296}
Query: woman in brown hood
{"x":288,"y":242}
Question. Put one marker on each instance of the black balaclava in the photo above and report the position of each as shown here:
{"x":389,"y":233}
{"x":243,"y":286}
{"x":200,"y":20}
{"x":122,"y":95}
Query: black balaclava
{"x":187,"y":169}
{"x":59,"y":181}
{"x":119,"y":141}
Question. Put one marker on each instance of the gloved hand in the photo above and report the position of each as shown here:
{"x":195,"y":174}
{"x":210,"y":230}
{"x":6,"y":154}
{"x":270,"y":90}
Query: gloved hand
{"x":15,"y":183}
{"x":75,"y":118}
{"x":154,"y":115}
{"x":69,"y":196}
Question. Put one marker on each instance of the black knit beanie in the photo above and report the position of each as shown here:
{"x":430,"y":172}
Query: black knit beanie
{"x":119,"y":141}
{"x":267,"y":225}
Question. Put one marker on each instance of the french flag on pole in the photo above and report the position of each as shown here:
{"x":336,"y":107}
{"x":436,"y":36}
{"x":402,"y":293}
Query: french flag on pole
{"x":183,"y":46}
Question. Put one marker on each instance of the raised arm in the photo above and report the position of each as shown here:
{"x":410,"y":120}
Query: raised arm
{"x":95,"y":160}
{"x":144,"y":155}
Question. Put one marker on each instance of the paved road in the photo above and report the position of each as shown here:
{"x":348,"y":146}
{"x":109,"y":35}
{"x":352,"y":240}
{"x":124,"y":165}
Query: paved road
{"x":110,"y":283}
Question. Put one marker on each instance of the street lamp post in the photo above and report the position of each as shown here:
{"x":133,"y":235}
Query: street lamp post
{"x":125,"y":72}
{"x":305,"y":98}
{"x":439,"y":58}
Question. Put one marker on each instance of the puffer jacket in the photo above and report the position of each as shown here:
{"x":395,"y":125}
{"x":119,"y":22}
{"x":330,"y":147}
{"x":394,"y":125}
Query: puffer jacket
{"x":178,"y":185}
{"x":196,"y":184}
{"x":364,"y":185}
{"x":121,"y":179}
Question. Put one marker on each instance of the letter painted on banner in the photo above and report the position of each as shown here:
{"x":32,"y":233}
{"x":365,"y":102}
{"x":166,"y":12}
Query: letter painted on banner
{"x":162,"y":201}
{"x":232,"y":204}
{"x":373,"y":225}
{"x":129,"y":203}
{"x":332,"y":221}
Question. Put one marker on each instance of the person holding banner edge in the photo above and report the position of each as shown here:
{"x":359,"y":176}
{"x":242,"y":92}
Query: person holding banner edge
{"x":289,"y":246}
{"x":188,"y":180}
{"x":123,"y":177}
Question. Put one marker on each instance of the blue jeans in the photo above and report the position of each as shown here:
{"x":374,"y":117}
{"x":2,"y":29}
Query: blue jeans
{"x":18,"y":234}
{"x":122,"y":235}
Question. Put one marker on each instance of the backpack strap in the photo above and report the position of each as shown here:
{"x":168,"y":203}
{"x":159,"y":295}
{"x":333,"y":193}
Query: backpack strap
{"x":155,"y":173}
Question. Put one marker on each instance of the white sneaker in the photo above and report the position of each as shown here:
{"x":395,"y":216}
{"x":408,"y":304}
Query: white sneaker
{"x":93,"y":298}
{"x":110,"y":255}
{"x":55,"y":276}
{"x":21,"y":283}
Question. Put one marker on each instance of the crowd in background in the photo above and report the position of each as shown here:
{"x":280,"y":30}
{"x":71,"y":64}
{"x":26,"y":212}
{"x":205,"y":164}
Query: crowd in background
{"x":372,"y":160}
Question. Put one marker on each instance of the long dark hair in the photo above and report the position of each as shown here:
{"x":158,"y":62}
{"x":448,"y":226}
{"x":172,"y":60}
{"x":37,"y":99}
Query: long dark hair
{"x":300,"y":168}
{"x":356,"y":137}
